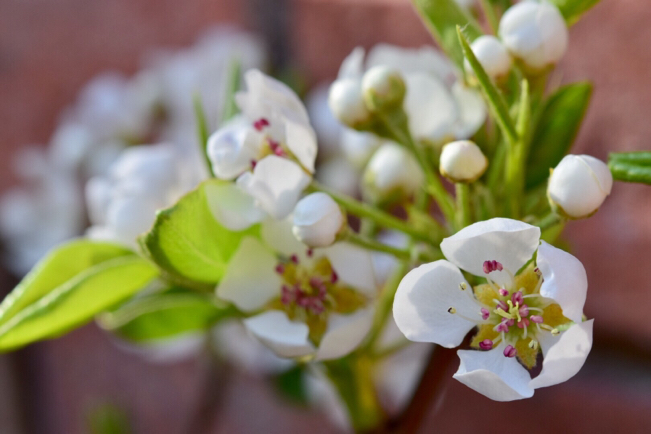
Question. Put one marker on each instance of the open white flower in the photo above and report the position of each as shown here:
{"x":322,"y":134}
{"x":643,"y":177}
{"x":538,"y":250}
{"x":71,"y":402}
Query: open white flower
{"x":270,"y":149}
{"x":393,"y":169}
{"x":579,"y":185}
{"x":534,"y":32}
{"x":539,"y":309}
{"x":304,"y":303}
{"x":439,"y":106}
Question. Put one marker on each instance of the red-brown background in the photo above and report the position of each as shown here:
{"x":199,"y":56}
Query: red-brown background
{"x":50,"y":48}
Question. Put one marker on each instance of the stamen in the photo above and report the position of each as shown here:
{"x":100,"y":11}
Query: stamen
{"x":485,"y":313}
{"x":490,"y":266}
{"x":452,"y":310}
{"x":503,"y":292}
{"x":555,"y":332}
{"x":253,"y":164}
{"x":537,"y":319}
{"x":533,"y":344}
{"x":486,"y":344}
{"x":501,"y":312}
{"x":531,"y":296}
{"x":294,"y":259}
{"x":310,"y":252}
{"x":524,"y":310}
{"x":260,"y":124}
{"x":463,"y":286}
{"x":334,"y":277}
{"x":510,"y":351}
{"x":280,"y":268}
{"x":517,"y":298}
{"x":535,"y":309}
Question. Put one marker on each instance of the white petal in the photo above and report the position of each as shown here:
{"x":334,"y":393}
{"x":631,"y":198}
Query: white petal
{"x":493,"y":375}
{"x":430,"y":106}
{"x":232,"y":207}
{"x":276,"y":183}
{"x":423,"y":298}
{"x":353,"y":64}
{"x":344,"y":333}
{"x":250,"y":280}
{"x":278,"y":235}
{"x":472,"y":110}
{"x":425,"y":59}
{"x":566,"y":281}
{"x":301,"y":140}
{"x":564,"y":355}
{"x":232,"y":148}
{"x":353,"y":265}
{"x":284,"y":337}
{"x":510,"y":242}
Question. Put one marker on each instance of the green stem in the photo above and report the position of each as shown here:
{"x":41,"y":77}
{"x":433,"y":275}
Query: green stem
{"x":548,"y":221}
{"x":362,"y":209}
{"x":232,"y":86}
{"x":491,"y":16}
{"x":371,"y":244}
{"x":463,"y":205}
{"x":517,"y":155}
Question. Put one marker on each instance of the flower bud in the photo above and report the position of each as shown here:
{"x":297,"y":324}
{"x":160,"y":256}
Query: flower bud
{"x":347,"y":103}
{"x":462,"y":161}
{"x":383,"y":88}
{"x":317,"y":220}
{"x":578,"y":186}
{"x":534,"y":32}
{"x":392,"y":168}
{"x":493,"y":56}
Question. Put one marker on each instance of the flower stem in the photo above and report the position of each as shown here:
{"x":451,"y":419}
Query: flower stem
{"x":202,"y":132}
{"x":516,"y":157}
{"x":463,"y":205}
{"x":548,"y":221}
{"x":371,"y":244}
{"x":362,"y":209}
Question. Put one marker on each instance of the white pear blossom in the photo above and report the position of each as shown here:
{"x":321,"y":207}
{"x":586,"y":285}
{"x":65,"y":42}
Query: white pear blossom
{"x":144,"y":179}
{"x":347,"y":103}
{"x":539,"y":309}
{"x":340,"y":175}
{"x":534,"y":32}
{"x":492,"y":55}
{"x":271,"y":149}
{"x":437,"y":102}
{"x":317,"y":220}
{"x":579,"y":185}
{"x":328,"y":128}
{"x":393,"y":169}
{"x":383,"y":87}
{"x":304,"y":303}
{"x":462,"y":161}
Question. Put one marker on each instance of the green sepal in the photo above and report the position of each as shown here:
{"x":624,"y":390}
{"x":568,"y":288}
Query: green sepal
{"x":631,"y":166}
{"x":572,"y":10}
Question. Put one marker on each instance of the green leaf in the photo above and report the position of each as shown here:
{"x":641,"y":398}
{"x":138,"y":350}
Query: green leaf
{"x":161,"y":316}
{"x":202,"y":131}
{"x":493,"y":96}
{"x":49,"y":302}
{"x":573,"y":9}
{"x":631,"y":166}
{"x":442,"y":18}
{"x":188,"y":244}
{"x":291,"y":385}
{"x":556,"y":130}
{"x":233,"y":84}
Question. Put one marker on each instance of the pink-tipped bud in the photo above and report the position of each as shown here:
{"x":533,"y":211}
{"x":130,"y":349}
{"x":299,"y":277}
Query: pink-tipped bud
{"x":502,"y":327}
{"x":503,"y":292}
{"x":524,"y":323}
{"x":486,"y":345}
{"x":517,"y":298}
{"x":524,"y":310}
{"x":502,"y":305}
{"x":537,"y":319}
{"x":260,"y":124}
{"x":485,"y":313}
{"x":509,"y":351}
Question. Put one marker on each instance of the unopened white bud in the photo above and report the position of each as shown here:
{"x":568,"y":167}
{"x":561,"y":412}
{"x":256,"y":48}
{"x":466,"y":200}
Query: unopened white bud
{"x":383,"y":88}
{"x":462,"y":161}
{"x":393,"y":168}
{"x":317,"y":220}
{"x":347,"y":103}
{"x":579,"y":185}
{"x":534,"y":32}
{"x":492,"y":55}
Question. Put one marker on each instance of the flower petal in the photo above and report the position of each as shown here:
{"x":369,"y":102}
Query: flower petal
{"x":250,"y":280}
{"x":232,"y":207}
{"x":422,"y":301}
{"x":564,"y":355}
{"x":344,"y":333}
{"x":231,"y":149}
{"x":565,"y":280}
{"x":353,"y":64}
{"x":472,"y":110}
{"x":353,"y":265}
{"x":431,"y":108}
{"x":276,"y":183}
{"x":510,"y":242}
{"x":284,"y":337}
{"x":278,"y":235}
{"x":493,"y":375}
{"x":301,"y":140}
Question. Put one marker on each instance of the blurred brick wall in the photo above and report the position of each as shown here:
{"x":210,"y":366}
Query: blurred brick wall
{"x":49,"y":48}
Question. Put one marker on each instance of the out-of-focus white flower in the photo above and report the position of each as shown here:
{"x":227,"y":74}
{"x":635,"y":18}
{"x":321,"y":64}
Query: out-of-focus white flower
{"x":358,"y":147}
{"x":319,"y":303}
{"x":143,"y":180}
{"x":493,"y":56}
{"x":439,"y":106}
{"x":340,"y":175}
{"x":579,"y":185}
{"x":383,"y":87}
{"x":328,"y":128}
{"x":347,"y":103}
{"x":539,"y":309}
{"x":534,"y":32}
{"x":317,"y":220}
{"x":35,"y":217}
{"x":462,"y":161}
{"x":271,"y":149}
{"x":393,"y":169}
